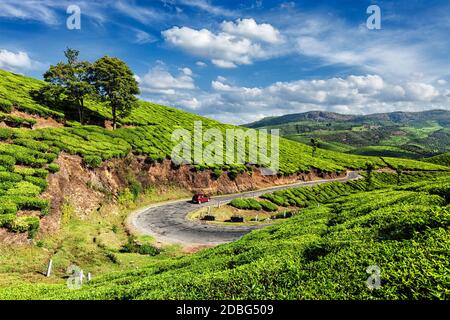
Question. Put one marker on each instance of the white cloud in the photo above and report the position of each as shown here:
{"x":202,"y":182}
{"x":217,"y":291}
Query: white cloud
{"x":48,"y":11}
{"x":159,"y":80}
{"x":421,"y":91}
{"x":201,"y":64}
{"x":248,"y":28}
{"x":28,"y":10}
{"x":208,"y":7}
{"x":239,"y":43}
{"x":16,"y":61}
{"x":143,"y":37}
{"x":352,"y":94}
{"x":223,"y":49}
{"x":144,"y":15}
{"x":394,"y":53}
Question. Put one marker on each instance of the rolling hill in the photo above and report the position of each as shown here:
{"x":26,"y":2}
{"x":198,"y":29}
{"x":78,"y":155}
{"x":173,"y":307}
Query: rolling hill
{"x":321,"y":253}
{"x":398,"y":134}
{"x":339,"y":231}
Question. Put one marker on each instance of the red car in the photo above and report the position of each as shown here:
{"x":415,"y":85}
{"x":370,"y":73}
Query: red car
{"x":200,"y":198}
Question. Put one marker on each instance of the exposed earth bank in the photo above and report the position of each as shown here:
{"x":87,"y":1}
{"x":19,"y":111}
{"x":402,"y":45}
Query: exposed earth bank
{"x":87,"y":189}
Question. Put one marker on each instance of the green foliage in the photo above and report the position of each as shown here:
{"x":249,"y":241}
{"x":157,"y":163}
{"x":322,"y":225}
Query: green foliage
{"x":321,"y":253}
{"x":5,"y":133}
{"x":442,"y":159}
{"x":92,"y":161}
{"x":246,"y":204}
{"x":144,"y":249}
{"x":396,"y":134}
{"x":5,"y":105}
{"x":268,"y":206}
{"x":69,"y":80}
{"x":115,"y":82}
{"x":217,"y":172}
{"x":26,"y":156}
{"x":6,"y":219}
{"x":24,"y":224}
{"x":16,"y":121}
{"x":7,"y":161}
{"x":16,"y":90}
{"x":53,"y":167}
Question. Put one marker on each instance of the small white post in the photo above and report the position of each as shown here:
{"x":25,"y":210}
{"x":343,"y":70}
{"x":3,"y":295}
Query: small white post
{"x":81,"y":276}
{"x":209,"y":209}
{"x":49,"y":268}
{"x":89,"y":276}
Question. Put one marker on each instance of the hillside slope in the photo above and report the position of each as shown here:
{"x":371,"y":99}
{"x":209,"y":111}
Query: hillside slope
{"x":29,"y":156}
{"x":398,"y":134}
{"x":321,"y":253}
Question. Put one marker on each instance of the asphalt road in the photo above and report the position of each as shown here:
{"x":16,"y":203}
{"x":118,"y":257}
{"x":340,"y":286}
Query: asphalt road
{"x":167,"y":222}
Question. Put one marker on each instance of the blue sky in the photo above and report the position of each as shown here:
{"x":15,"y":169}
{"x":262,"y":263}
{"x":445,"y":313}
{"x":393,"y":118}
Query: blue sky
{"x":239,"y":61}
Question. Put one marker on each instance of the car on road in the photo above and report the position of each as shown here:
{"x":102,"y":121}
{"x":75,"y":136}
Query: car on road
{"x":200,"y":198}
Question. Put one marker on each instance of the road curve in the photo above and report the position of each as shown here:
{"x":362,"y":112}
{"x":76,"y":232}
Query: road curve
{"x":167,"y":222}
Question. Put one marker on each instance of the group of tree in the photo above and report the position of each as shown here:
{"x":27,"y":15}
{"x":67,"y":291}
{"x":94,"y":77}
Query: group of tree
{"x":108,"y":79}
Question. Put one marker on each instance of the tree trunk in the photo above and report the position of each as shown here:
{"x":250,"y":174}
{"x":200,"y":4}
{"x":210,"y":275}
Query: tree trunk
{"x":114,"y":117}
{"x":80,"y":110}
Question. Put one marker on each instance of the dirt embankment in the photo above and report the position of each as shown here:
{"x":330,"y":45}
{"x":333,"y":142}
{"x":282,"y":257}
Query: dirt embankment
{"x":87,"y":189}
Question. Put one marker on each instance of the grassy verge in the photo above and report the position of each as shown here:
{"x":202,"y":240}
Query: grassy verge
{"x":94,"y":243}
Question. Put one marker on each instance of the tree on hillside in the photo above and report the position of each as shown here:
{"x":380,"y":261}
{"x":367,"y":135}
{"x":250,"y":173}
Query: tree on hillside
{"x":115,"y":83}
{"x":69,"y":80}
{"x":314,"y":145}
{"x":369,"y":169}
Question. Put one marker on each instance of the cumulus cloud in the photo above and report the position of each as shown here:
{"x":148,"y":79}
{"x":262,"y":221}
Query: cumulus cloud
{"x":160,"y":81}
{"x":353,"y":94}
{"x":13,"y":61}
{"x":248,"y":28}
{"x":239,"y":43}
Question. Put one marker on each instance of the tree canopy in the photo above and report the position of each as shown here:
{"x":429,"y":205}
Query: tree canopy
{"x":115,"y":83}
{"x":69,"y":81}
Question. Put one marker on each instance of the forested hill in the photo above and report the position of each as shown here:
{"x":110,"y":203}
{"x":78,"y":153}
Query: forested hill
{"x":442,"y":117}
{"x":397,"y":134}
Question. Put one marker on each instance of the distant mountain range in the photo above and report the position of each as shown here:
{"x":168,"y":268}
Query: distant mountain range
{"x":402,"y":134}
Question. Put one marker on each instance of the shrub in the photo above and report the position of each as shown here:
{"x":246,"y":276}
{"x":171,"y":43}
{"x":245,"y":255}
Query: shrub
{"x":144,"y":249}
{"x":246,"y":204}
{"x":53,"y":167}
{"x":232,"y":174}
{"x":93,"y":161}
{"x":148,"y":250}
{"x":217,"y":172}
{"x":7,"y":161}
{"x":6,"y":219}
{"x":7,"y":207}
{"x":24,"y":224}
{"x":5,"y":133}
{"x":24,"y":188}
{"x":28,"y":203}
{"x":42,"y":183}
{"x":268,"y":206}
{"x":10,"y":176}
{"x":5,"y":105}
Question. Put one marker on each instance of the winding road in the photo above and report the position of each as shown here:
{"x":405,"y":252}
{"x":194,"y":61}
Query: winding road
{"x":167,"y":222}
